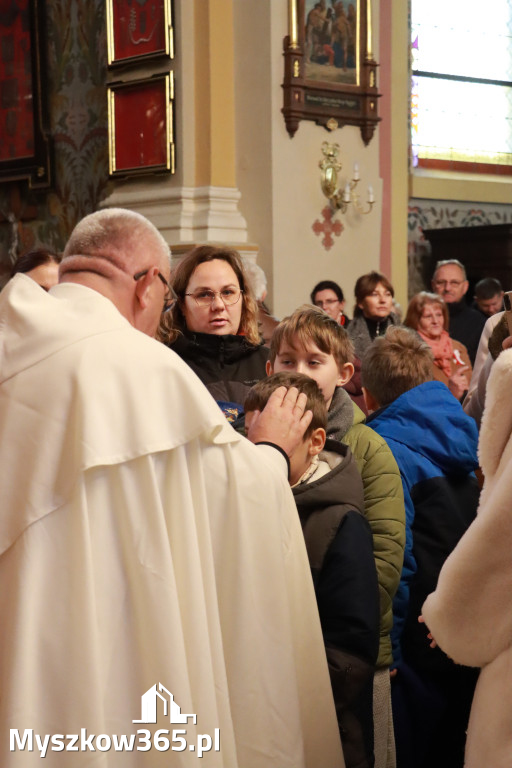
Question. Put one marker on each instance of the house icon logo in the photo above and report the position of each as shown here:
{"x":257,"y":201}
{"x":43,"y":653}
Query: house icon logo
{"x":149,"y":702}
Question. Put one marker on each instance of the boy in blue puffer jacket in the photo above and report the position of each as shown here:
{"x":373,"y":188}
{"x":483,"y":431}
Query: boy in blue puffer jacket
{"x":435,"y":446}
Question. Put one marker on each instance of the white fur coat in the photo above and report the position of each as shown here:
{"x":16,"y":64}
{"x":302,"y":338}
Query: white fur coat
{"x":470,"y":613}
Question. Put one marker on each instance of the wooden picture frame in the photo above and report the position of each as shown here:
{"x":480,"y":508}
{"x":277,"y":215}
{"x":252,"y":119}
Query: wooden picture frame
{"x":139,"y":30}
{"x":25,"y":146}
{"x":140,"y":126}
{"x":330,"y":75}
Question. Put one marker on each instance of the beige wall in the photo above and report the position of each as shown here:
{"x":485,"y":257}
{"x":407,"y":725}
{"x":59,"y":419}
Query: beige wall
{"x":279,"y":177}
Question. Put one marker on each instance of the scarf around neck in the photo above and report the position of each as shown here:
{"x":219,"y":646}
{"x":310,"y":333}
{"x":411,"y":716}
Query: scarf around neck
{"x":442,"y":349}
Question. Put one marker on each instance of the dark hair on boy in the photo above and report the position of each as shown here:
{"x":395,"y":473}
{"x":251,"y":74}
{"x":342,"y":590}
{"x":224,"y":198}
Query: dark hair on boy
{"x":395,"y":363}
{"x":308,"y":324}
{"x":327,"y":285}
{"x":487,"y":288}
{"x":259,"y":394}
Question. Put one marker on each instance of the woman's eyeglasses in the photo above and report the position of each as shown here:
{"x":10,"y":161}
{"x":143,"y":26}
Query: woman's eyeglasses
{"x":205,"y":298}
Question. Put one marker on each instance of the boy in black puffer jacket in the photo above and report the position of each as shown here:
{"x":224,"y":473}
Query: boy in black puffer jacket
{"x":329,"y":496}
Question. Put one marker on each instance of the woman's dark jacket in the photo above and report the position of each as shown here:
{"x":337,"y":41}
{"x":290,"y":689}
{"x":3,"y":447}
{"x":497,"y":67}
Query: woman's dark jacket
{"x":227,"y":365}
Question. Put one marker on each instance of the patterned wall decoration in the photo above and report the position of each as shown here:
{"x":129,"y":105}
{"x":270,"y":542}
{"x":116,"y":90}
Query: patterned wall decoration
{"x":438,"y":214}
{"x":76,"y":65}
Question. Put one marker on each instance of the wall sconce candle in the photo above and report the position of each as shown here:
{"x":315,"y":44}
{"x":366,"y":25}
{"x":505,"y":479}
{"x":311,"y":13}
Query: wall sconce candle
{"x":339,"y":200}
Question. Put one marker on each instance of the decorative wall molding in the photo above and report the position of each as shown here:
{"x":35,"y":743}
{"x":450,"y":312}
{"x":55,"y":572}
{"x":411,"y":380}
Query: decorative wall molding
{"x":185,"y":214}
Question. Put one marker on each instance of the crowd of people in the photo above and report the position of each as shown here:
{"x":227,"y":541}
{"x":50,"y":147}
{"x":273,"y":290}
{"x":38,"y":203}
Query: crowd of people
{"x":274,"y":519}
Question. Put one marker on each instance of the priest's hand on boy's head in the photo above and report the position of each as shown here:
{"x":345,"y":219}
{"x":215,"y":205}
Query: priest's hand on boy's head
{"x":283,"y":421}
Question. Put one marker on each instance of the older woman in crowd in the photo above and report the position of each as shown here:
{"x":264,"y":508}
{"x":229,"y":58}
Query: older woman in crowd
{"x":214,"y":325}
{"x":373,"y":311}
{"x":427,"y":313}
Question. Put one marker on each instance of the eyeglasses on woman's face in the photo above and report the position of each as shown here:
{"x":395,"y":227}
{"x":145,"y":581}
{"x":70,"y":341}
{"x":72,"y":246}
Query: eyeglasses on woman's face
{"x":205,"y":297}
{"x":211,"y":303}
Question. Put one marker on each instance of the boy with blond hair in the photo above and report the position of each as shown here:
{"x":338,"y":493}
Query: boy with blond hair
{"x":329,"y":496}
{"x":311,"y":342}
{"x":435,"y":445}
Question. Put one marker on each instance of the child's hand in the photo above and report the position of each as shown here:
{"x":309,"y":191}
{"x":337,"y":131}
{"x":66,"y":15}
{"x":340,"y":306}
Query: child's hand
{"x":283,"y":421}
{"x":433,"y":644}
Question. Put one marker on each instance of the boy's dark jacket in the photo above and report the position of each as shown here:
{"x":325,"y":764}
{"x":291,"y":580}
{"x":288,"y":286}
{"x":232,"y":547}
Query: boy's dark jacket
{"x":435,"y":445}
{"x":340,"y":549}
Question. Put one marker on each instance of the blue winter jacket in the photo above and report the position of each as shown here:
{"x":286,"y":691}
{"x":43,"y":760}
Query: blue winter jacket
{"x":435,"y":446}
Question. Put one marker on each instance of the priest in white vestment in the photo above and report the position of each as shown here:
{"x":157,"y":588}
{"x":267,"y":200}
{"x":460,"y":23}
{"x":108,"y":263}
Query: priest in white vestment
{"x":152,"y":564}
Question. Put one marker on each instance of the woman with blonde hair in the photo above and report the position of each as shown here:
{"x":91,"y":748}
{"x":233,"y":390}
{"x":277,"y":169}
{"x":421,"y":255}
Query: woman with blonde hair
{"x":213,"y":326}
{"x":427,"y":314}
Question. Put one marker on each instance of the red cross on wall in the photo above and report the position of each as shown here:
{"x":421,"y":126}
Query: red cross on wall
{"x":328,"y":228}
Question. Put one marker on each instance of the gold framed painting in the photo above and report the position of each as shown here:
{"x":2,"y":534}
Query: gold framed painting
{"x":25,"y":142}
{"x":139,"y":29}
{"x":330,"y":72}
{"x":140,"y":126}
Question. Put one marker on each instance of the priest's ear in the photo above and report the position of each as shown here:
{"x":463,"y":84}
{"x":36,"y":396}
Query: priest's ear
{"x":144,"y":281}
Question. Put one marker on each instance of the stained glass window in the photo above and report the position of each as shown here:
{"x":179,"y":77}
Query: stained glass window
{"x":461,"y":92}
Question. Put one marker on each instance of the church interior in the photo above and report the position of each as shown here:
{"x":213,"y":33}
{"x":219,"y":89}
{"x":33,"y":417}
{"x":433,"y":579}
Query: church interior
{"x":229,"y":170}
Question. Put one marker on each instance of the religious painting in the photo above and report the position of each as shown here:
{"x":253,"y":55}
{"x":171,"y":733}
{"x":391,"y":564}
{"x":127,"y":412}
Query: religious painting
{"x":24,"y":144}
{"x":330,"y":72}
{"x":138,"y":29}
{"x":331,"y":42}
{"x":140,"y":126}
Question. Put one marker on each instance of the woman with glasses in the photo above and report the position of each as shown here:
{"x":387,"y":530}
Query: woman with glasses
{"x":213,"y":325}
{"x":328,"y":296}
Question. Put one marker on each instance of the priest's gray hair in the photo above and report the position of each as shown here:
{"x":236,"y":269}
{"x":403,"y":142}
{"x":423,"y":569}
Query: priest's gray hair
{"x":105,"y":233}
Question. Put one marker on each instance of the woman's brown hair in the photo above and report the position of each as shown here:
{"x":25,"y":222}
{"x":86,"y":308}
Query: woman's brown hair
{"x":366,"y":284}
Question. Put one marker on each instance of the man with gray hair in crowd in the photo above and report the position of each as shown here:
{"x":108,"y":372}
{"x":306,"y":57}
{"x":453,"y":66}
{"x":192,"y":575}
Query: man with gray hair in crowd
{"x":466,"y":324}
{"x":139,"y":559}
